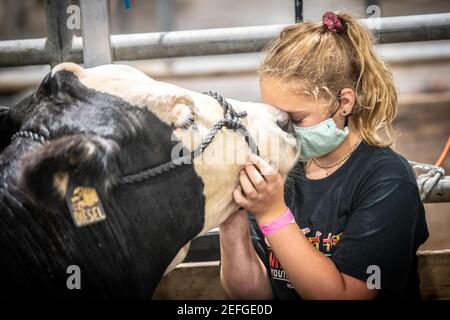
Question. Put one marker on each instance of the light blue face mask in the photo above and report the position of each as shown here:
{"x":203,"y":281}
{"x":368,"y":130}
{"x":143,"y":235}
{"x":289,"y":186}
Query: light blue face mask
{"x":318,"y":140}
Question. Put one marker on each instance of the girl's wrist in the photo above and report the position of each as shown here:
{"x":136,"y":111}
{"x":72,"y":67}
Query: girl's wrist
{"x":282,"y":221}
{"x":272,"y":215}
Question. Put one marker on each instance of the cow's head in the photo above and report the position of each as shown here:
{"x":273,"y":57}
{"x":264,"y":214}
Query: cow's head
{"x":99,"y":128}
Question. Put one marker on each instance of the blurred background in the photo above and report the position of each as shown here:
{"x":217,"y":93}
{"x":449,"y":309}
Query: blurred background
{"x":421,"y":69}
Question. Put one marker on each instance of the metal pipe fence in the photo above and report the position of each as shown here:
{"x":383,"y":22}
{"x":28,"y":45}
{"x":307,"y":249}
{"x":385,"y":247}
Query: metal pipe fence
{"x":215,"y":41}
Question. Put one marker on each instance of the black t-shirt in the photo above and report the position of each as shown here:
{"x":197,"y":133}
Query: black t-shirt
{"x":367,"y":217}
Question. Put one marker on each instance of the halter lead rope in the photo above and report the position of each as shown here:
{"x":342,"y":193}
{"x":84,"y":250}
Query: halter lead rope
{"x":231,"y":120}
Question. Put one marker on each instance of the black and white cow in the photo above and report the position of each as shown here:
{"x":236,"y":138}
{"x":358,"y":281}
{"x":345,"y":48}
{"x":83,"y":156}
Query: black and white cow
{"x":101,"y":124}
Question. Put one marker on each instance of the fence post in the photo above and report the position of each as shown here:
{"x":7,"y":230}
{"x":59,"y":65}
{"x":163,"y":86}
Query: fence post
{"x":95,"y":28}
{"x":298,"y":11}
{"x":164,"y":12}
{"x":59,"y":38}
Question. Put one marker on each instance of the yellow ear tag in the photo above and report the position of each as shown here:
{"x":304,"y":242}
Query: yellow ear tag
{"x":85,"y":206}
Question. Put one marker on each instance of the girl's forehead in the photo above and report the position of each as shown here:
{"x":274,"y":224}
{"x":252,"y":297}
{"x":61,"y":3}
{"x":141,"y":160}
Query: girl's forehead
{"x":282,"y":96}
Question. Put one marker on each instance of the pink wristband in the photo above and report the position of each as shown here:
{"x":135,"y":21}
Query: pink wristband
{"x":285,"y":219}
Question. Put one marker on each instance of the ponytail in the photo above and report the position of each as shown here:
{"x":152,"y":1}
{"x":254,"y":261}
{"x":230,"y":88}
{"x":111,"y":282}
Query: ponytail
{"x":375,"y":89}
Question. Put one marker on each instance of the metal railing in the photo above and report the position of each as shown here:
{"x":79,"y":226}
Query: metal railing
{"x":185,"y":43}
{"x":433,"y":185}
{"x":440,"y":192}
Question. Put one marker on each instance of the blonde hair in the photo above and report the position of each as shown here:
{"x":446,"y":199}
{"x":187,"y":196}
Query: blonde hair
{"x":320,"y":62}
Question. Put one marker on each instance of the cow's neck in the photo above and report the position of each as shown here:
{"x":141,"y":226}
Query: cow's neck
{"x":220,"y":180}
{"x":172,"y":215}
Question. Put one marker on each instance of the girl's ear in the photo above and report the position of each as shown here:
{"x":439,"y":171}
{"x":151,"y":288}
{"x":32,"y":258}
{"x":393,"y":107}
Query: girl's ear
{"x":347,"y":101}
{"x":8,"y":126}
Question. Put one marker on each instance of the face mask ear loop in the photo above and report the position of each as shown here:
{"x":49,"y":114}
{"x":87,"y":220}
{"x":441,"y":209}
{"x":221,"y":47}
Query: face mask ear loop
{"x":346,"y":117}
{"x":339,"y":99}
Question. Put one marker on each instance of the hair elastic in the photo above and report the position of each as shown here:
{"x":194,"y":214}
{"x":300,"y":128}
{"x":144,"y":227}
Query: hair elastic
{"x":332,"y":22}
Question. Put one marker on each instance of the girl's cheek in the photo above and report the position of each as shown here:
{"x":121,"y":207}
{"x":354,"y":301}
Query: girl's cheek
{"x":310,"y":121}
{"x":306,"y":123}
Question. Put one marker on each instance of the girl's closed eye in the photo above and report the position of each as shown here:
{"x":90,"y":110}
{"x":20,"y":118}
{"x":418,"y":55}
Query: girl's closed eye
{"x":297,"y":118}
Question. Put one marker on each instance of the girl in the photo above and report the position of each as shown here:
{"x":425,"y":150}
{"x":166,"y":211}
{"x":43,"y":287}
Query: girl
{"x":352,"y":221}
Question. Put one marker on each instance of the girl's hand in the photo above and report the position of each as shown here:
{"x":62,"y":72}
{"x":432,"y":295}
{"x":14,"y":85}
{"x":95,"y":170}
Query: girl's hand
{"x":261,"y":190}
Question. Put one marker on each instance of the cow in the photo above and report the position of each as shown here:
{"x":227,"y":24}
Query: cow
{"x":67,"y":148}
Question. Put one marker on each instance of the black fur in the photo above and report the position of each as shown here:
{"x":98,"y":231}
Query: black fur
{"x":7,"y":127}
{"x":147,"y":223}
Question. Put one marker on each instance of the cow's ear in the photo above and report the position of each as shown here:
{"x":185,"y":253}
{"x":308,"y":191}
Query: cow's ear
{"x":79,"y":160}
{"x":61,"y":87}
{"x":44,"y":88}
{"x":182,"y":114}
{"x":7,"y":127}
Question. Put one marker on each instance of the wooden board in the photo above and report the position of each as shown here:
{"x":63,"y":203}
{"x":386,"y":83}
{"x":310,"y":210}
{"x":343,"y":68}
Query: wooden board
{"x":201,"y":280}
{"x":434,"y":270}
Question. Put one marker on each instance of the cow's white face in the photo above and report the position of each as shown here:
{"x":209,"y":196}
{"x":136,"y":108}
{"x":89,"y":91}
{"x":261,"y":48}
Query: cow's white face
{"x":192,"y":114}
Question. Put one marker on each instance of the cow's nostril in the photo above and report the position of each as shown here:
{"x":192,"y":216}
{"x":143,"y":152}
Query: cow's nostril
{"x":284,"y":121}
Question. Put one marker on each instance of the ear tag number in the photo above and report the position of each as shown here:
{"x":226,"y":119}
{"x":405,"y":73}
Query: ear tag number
{"x":84,"y":205}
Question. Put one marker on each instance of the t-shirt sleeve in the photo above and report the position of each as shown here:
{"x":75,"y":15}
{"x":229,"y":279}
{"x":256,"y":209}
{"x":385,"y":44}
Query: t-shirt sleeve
{"x":381,"y":234}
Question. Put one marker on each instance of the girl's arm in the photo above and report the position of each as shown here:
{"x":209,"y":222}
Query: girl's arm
{"x":313,"y":275}
{"x":242,"y":273}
